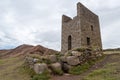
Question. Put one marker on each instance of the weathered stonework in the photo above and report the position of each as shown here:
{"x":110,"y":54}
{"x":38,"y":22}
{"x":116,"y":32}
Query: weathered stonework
{"x":81,"y":31}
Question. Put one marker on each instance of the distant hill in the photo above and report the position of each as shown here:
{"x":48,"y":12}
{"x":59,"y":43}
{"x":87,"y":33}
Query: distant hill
{"x":27,"y":49}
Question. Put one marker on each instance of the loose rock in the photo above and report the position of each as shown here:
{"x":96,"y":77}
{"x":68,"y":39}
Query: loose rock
{"x":40,"y":67}
{"x":73,"y":60}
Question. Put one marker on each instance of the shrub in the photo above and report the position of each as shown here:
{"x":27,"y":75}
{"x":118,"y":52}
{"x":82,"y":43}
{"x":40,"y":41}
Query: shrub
{"x":34,"y":56}
{"x":58,"y":55}
{"x":69,"y":54}
{"x":44,"y":76}
{"x":91,"y":62}
{"x":80,"y":49}
{"x":79,"y":69}
{"x":57,"y":71}
{"x":46,"y":61}
{"x":98,"y":72}
{"x":28,"y":70}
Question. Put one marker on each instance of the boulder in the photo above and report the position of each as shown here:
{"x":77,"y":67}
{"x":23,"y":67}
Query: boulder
{"x":66,"y":67}
{"x":76,"y":53}
{"x":73,"y":60}
{"x":52,"y":58}
{"x":40,"y":68}
{"x":63,"y":59}
{"x":56,"y":66}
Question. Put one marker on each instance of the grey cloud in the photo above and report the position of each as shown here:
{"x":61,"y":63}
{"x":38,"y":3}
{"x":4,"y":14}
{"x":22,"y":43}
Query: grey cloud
{"x":50,"y":36}
{"x":49,"y":39}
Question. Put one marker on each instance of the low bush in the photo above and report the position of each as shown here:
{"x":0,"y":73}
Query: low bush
{"x":57,"y":71}
{"x":80,"y":49}
{"x":28,"y":70}
{"x":76,"y":70}
{"x":44,"y":76}
{"x":46,"y":61}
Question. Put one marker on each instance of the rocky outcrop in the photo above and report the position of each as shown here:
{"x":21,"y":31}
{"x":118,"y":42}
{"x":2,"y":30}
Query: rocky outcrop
{"x":58,"y":64}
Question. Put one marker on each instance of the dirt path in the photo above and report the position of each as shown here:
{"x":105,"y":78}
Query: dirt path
{"x":106,"y":60}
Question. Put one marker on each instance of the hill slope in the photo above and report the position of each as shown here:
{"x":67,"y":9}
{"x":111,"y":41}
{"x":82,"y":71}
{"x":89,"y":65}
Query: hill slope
{"x":106,"y":69}
{"x":10,"y":69}
{"x":11,"y":61}
{"x":24,"y":49}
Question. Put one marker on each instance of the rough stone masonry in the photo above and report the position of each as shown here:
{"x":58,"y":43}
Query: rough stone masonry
{"x":81,"y":31}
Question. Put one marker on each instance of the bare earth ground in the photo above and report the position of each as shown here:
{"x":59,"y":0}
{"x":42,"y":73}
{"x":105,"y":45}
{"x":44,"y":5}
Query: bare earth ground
{"x":109,"y":59}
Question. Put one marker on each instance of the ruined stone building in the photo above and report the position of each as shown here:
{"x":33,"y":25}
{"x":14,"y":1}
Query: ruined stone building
{"x":81,"y":31}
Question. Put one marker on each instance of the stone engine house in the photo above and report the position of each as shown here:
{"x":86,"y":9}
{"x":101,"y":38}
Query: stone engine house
{"x":81,"y":31}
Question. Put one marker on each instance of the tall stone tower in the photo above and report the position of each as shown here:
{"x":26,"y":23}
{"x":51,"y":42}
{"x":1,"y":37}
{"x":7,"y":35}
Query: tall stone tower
{"x":81,"y":31}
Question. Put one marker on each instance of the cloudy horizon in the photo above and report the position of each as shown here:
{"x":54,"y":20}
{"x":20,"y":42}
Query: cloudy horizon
{"x":38,"y":22}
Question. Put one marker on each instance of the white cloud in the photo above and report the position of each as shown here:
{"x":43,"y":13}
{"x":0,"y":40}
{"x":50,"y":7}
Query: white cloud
{"x":39,"y":21}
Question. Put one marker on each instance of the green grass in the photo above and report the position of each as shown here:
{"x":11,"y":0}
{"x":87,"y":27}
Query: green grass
{"x":76,"y":70}
{"x":44,"y":76}
{"x":110,"y":71}
{"x":34,"y":56}
{"x":1,"y":62}
{"x":111,"y":52}
{"x":57,"y":71}
{"x":80,"y":49}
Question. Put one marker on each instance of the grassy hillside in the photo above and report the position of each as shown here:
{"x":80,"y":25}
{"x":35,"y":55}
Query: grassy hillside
{"x":11,"y":69}
{"x":110,"y":70}
{"x":11,"y":61}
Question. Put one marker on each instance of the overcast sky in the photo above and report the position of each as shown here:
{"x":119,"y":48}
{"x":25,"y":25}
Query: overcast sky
{"x":38,"y":22}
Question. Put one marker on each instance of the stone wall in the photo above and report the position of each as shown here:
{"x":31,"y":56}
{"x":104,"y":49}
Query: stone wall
{"x":85,"y":24}
{"x":88,"y":19}
{"x":71,"y":28}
